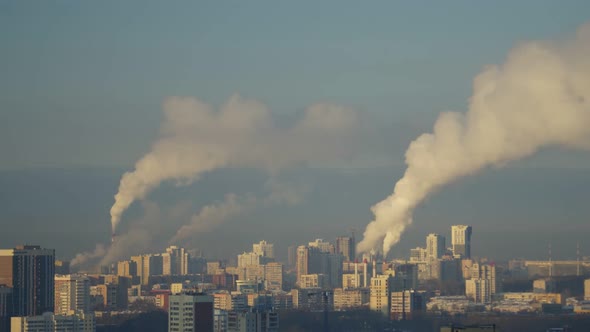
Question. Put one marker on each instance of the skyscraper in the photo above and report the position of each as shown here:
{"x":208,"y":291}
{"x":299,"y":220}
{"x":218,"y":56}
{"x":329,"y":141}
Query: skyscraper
{"x":435,"y":246}
{"x":461,"y":240}
{"x":346,"y":247}
{"x":29,"y":270}
{"x":72,"y":293}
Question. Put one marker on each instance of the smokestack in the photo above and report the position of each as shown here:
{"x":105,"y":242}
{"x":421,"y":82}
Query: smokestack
{"x":540,"y":97}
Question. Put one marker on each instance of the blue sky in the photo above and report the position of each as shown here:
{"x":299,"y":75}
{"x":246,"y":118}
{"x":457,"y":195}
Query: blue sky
{"x":82,"y":82}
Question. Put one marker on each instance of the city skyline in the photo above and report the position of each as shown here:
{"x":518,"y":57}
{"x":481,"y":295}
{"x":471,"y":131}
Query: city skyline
{"x":209,"y":133}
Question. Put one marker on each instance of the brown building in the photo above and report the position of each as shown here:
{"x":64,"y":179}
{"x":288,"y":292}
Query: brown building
{"x":29,"y":270}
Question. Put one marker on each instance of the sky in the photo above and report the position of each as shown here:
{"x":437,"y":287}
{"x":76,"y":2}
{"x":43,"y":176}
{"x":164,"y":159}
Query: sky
{"x":82,"y":88}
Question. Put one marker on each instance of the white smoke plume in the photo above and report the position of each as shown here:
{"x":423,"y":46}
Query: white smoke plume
{"x":215,"y":214}
{"x":540,"y":97}
{"x":89,"y":257}
{"x":195,"y":139}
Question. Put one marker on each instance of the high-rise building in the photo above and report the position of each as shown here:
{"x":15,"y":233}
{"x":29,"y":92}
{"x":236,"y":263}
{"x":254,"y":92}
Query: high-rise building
{"x":312,"y":260}
{"x":29,"y":270}
{"x":264,"y":249}
{"x":483,"y":283}
{"x":380,"y":294}
{"x":72,"y":294}
{"x":435,"y":246}
{"x":461,"y":240}
{"x":587,"y":289}
{"x":190,"y":312}
{"x":346,"y":247}
{"x":418,"y":254}
{"x":175,"y":261}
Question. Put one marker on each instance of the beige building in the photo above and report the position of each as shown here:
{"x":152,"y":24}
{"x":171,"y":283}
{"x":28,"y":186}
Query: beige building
{"x":127,"y":268}
{"x":273,"y":276}
{"x":264,"y":249}
{"x":587,"y":289}
{"x":49,"y":322}
{"x":175,"y":261}
{"x":313,"y":281}
{"x":380,"y":293}
{"x":406,"y":304}
{"x":350,"y":298}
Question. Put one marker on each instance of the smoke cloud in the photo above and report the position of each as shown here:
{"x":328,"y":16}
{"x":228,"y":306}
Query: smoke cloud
{"x":196,"y":139}
{"x":90,"y":257}
{"x":215,"y":214}
{"x":540,"y":97}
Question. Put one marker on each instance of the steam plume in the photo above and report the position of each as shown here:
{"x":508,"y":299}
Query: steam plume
{"x":196,"y":139}
{"x":539,"y":97}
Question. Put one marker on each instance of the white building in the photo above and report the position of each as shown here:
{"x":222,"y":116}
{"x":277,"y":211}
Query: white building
{"x":49,"y":322}
{"x":322,"y":245}
{"x":72,"y":293}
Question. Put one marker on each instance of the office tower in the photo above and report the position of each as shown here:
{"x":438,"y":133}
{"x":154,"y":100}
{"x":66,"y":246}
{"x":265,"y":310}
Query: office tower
{"x":587,"y":290}
{"x":379,"y":294}
{"x":175,"y":261}
{"x":5,"y":307}
{"x":50,"y":322}
{"x":264,"y":249}
{"x":346,"y":247}
{"x":127,"y":268}
{"x":72,"y":293}
{"x":29,"y":270}
{"x":190,"y":312}
{"x":406,"y":304}
{"x":273,"y":276}
{"x":322,"y":245}
{"x":461,"y":241}
{"x":435,"y":246}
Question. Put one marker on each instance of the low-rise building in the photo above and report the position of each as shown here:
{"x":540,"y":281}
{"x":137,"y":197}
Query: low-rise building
{"x":50,"y":322}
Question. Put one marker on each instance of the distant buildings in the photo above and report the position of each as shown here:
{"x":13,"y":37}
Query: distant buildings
{"x":346,"y":247}
{"x":175,"y":261}
{"x":483,"y":283}
{"x":380,"y":294}
{"x":50,"y":322}
{"x":435,"y":246}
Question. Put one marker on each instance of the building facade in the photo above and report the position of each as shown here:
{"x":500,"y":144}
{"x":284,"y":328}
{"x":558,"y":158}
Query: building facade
{"x":72,"y":294}
{"x":30,"y":271}
{"x":461,"y":240}
{"x":190,"y":312}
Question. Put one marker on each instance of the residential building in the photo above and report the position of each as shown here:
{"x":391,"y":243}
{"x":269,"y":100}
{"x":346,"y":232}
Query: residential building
{"x":72,"y":294}
{"x":5,"y":307}
{"x":175,"y":261}
{"x":273,"y":276}
{"x":190,"y":312}
{"x":127,"y":268}
{"x":350,"y":298}
{"x":252,"y":321}
{"x":379,"y":295}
